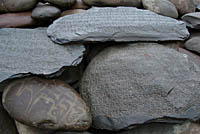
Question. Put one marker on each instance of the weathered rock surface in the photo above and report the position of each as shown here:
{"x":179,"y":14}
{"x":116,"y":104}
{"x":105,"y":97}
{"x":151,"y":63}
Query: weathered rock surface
{"x":17,"y":5}
{"x":131,"y":3}
{"x":162,"y":7}
{"x":80,"y":5}
{"x":48,"y":104}
{"x":72,"y":11}
{"x":184,"y":6}
{"x":14,"y":20}
{"x":24,"y":129}
{"x":131,"y":84}
{"x":165,"y":128}
{"x":192,"y":20}
{"x":121,"y":24}
{"x":30,"y":50}
{"x":72,"y":132}
{"x":64,"y":4}
{"x":46,"y":12}
{"x":193,"y":44}
{"x":7,"y":125}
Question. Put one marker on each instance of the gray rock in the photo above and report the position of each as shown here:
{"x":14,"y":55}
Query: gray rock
{"x":7,"y":125}
{"x":192,"y":20}
{"x":162,"y":7}
{"x":64,"y":4}
{"x":24,"y":129}
{"x":165,"y":128}
{"x":131,"y":84}
{"x":122,"y":24}
{"x":47,"y":104}
{"x":30,"y":50}
{"x":46,"y":12}
{"x":193,"y":44}
{"x":17,"y":5}
{"x":184,"y":6}
{"x":129,"y":3}
{"x":62,"y":132}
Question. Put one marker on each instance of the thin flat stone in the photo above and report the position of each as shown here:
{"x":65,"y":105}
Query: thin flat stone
{"x":30,"y":50}
{"x":122,"y":24}
{"x":192,"y":20}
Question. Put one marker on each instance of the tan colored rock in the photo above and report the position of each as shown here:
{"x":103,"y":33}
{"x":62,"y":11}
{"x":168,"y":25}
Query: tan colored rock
{"x":16,"y":20}
{"x":24,"y":129}
{"x":184,"y":6}
{"x":80,"y":5}
{"x":46,"y":104}
{"x":131,"y":3}
{"x":72,"y":11}
{"x":162,"y":7}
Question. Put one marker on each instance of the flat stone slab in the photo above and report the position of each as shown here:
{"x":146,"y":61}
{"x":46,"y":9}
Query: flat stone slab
{"x":122,"y":24}
{"x":31,"y":51}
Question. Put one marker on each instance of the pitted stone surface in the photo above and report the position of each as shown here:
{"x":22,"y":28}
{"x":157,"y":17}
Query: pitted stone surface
{"x":131,"y":84}
{"x":116,"y":24}
{"x":48,"y":104}
{"x":30,"y":50}
{"x":130,"y":3}
{"x":162,"y":7}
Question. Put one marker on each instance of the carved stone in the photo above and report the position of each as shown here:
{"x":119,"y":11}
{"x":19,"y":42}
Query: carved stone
{"x":122,"y":24}
{"x":30,"y":50}
{"x":131,"y":84}
{"x":46,"y":104}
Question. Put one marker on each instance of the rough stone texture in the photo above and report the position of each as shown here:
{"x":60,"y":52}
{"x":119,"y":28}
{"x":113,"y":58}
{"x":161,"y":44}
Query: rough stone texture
{"x":14,"y":20}
{"x":24,"y":129}
{"x":184,"y":6}
{"x":72,"y":132}
{"x":48,"y":104}
{"x":165,"y":128}
{"x":30,"y":50}
{"x":17,"y":5}
{"x":72,"y":11}
{"x":116,"y":24}
{"x":162,"y":7}
{"x":64,"y":4}
{"x":130,"y":3}
{"x":7,"y":125}
{"x":80,"y":5}
{"x":193,"y":44}
{"x":46,"y":12}
{"x":131,"y":84}
{"x":192,"y":20}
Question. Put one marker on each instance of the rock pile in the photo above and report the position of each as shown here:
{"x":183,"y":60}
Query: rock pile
{"x":99,"y":67}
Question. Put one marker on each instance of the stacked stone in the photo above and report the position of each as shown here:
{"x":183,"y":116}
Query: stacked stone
{"x":119,"y":67}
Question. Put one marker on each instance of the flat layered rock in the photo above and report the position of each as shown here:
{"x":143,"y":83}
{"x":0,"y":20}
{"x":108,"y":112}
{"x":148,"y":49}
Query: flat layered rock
{"x":131,"y":84}
{"x":7,"y":125}
{"x":30,"y":50}
{"x":162,"y":7}
{"x":46,"y":104}
{"x":122,"y":24}
{"x":192,"y":20}
{"x":106,"y":3}
{"x":165,"y":128}
{"x":24,"y":129}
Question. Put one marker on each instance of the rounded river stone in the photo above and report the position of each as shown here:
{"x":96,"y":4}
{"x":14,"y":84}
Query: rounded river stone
{"x":162,"y":7}
{"x":17,"y":5}
{"x":193,"y":44}
{"x":46,"y":12}
{"x":64,"y":4}
{"x":131,"y":84}
{"x":184,"y":6}
{"x":192,"y":20}
{"x":131,"y":3}
{"x":48,"y":104}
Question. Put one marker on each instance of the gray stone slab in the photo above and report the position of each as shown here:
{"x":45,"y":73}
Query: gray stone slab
{"x":121,"y":24}
{"x":30,"y":50}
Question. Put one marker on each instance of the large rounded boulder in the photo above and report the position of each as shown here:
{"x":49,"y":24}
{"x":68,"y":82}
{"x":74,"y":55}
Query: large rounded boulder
{"x":47,"y":104}
{"x":131,"y":84}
